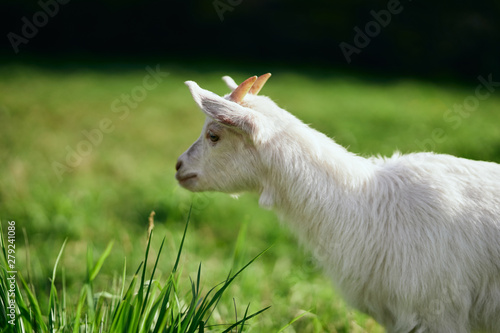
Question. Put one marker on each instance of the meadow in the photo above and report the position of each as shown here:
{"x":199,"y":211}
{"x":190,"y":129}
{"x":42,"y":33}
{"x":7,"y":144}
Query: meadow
{"x":88,"y":151}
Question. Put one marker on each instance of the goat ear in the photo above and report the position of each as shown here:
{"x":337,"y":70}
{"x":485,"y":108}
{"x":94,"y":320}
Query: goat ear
{"x":226,"y":112}
{"x":229,"y":82}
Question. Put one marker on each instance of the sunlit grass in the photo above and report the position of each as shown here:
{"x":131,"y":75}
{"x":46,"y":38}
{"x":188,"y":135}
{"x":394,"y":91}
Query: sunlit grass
{"x":147,"y":304}
{"x":106,"y":197}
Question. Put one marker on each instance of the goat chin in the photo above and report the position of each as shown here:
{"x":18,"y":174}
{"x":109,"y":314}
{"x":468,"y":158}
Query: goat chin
{"x":413,"y":240}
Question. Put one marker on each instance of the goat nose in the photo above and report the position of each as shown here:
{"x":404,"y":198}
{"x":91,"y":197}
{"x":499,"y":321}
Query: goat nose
{"x":178,"y":165}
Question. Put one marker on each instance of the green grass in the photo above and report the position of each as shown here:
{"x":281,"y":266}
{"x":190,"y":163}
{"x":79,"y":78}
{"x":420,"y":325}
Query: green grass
{"x":145,"y":306}
{"x":108,"y":196}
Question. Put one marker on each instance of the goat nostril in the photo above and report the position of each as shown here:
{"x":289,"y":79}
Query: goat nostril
{"x":178,"y":165}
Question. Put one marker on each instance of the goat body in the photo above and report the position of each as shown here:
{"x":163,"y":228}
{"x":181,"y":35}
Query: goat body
{"x":412,"y":240}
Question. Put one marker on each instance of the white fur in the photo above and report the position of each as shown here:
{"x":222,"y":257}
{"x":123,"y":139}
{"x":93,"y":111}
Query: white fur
{"x":413,"y":240}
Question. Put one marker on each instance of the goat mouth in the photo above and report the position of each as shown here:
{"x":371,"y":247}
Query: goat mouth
{"x":184,"y":178}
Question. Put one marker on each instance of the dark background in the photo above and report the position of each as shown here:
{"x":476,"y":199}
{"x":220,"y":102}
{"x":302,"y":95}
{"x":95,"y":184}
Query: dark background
{"x":459,"y":39}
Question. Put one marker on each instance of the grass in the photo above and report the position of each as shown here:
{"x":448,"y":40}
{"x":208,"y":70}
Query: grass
{"x":108,"y":195}
{"x":144,"y":306}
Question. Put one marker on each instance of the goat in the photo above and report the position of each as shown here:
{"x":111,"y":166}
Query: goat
{"x":412,"y":240}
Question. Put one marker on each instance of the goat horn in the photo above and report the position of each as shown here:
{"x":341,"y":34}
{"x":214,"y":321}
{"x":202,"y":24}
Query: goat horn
{"x":257,"y":86}
{"x":240,"y":92}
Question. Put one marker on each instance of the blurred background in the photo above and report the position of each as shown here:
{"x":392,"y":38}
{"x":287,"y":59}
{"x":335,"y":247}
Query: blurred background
{"x":421,"y":38}
{"x":94,"y":113}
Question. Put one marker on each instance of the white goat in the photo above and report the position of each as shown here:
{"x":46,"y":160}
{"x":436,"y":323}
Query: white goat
{"x":412,"y":240}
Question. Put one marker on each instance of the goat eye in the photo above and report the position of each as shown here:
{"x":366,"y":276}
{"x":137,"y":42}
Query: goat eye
{"x":213,"y":137}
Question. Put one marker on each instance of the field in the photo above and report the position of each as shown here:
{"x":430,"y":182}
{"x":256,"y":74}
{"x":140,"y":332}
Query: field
{"x":87,"y":152}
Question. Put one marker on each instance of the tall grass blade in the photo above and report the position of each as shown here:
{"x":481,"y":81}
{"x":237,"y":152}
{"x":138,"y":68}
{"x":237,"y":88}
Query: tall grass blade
{"x":97,"y":267}
{"x":215,"y":300}
{"x":53,"y":299}
{"x":153,"y":273}
{"x":79,"y":309}
{"x":37,"y":318}
{"x":228,"y":330}
{"x":174,"y":270}
{"x":240,"y":244}
{"x":293,"y":321}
